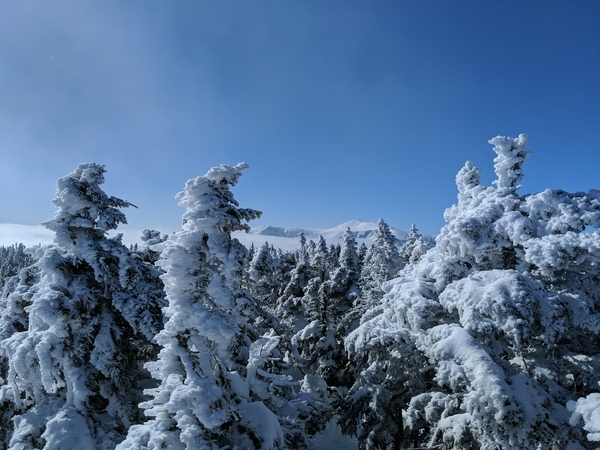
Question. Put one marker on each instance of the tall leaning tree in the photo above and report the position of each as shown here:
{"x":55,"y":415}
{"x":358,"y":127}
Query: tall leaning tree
{"x":203,"y":400}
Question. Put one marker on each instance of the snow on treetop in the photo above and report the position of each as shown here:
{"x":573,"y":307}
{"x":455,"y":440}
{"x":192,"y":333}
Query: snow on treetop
{"x":511,"y":155}
{"x":226,"y":173}
{"x":211,"y":205}
{"x":216,"y":179}
{"x":83,"y":205}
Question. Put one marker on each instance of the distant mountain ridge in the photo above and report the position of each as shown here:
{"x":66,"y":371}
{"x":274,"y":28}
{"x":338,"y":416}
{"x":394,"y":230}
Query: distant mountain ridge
{"x":287,"y":238}
{"x":281,"y":237}
{"x":359,"y":228}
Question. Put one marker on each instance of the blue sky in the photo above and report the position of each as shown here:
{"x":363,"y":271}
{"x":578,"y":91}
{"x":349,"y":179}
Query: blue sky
{"x":343,"y":109}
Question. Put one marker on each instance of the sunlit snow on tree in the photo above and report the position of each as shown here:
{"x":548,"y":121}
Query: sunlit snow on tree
{"x":78,"y":327}
{"x":505,"y":310}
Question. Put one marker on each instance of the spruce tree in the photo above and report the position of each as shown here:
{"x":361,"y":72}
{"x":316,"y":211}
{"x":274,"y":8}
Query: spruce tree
{"x":414,"y":247}
{"x":327,"y":304}
{"x":264,"y":281}
{"x":13,"y":258}
{"x":204,"y":398}
{"x":382,"y":262}
{"x":290,"y":310}
{"x":78,"y":328}
{"x":501,"y":316}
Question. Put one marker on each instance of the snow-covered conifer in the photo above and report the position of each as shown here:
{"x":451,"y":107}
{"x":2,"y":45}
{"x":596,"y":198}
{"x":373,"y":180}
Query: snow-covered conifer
{"x":320,"y":259}
{"x":289,"y":305}
{"x":333,"y":259}
{"x":203,"y":400}
{"x":382,"y":262}
{"x":264,"y":282}
{"x":328,"y":304}
{"x":349,"y":257}
{"x":302,"y":252}
{"x":301,"y":404}
{"x":362,"y":254}
{"x":503,"y":311}
{"x":414,"y":247}
{"x":78,"y":328}
{"x":13,"y":258}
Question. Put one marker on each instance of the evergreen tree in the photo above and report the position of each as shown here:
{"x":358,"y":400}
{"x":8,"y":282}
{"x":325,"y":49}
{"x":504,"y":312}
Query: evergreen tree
{"x":414,"y":247}
{"x":290,"y":310}
{"x":319,"y":260}
{"x":362,"y":256}
{"x":349,"y":258}
{"x":327,"y":303}
{"x":300,"y":403}
{"x":78,"y":327}
{"x":502,"y":315}
{"x":12,"y":259}
{"x":382,"y":262}
{"x":264,"y":281}
{"x":149,"y":239}
{"x":204,"y":399}
{"x":333,"y":260}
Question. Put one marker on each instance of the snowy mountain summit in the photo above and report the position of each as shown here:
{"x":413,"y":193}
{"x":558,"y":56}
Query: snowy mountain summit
{"x":287,"y":238}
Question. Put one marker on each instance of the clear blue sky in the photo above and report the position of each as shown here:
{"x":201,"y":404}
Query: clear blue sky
{"x":343,"y":109}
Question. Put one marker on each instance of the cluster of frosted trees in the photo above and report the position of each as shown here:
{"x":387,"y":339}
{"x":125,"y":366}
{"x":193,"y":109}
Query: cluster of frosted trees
{"x":12,"y":259}
{"x":488,"y":340}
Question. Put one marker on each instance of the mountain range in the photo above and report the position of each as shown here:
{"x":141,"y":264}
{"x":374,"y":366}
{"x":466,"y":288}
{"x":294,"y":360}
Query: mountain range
{"x":288,"y":238}
{"x":281,"y":237}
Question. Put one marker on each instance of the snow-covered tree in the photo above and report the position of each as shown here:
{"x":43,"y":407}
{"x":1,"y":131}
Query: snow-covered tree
{"x":320,"y":260}
{"x":385,"y":374}
{"x":349,"y":259}
{"x":149,"y":239}
{"x":414,"y":247}
{"x":78,"y":327}
{"x":587,"y":409}
{"x":264,"y":275}
{"x":327,"y":304}
{"x":362,"y":254}
{"x":13,"y":258}
{"x":382,"y":262}
{"x":300,"y":403}
{"x":290,"y":309}
{"x":504,"y":311}
{"x":204,"y":400}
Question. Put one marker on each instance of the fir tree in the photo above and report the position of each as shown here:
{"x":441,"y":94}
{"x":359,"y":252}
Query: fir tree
{"x":290,"y":308}
{"x":12,"y":259}
{"x":327,"y":303}
{"x":78,"y":327}
{"x":414,"y":247}
{"x":204,"y":400}
{"x":502,"y":314}
{"x":382,"y":262}
{"x":263,"y":275}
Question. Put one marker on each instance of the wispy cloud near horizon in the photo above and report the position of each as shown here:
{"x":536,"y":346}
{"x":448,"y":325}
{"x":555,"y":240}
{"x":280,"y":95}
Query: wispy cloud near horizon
{"x":30,"y":235}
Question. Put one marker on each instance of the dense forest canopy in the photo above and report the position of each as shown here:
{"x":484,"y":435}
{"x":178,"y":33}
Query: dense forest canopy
{"x":487,"y":340}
